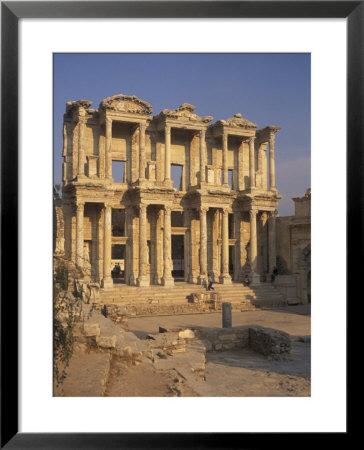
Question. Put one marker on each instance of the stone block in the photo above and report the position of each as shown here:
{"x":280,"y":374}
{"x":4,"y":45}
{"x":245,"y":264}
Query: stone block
{"x":106,"y":341}
{"x":91,"y":329}
{"x":227,"y":337}
{"x":186,"y":334}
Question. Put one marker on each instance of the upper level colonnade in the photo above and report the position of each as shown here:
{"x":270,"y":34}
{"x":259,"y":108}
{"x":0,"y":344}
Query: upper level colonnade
{"x":228,"y":154}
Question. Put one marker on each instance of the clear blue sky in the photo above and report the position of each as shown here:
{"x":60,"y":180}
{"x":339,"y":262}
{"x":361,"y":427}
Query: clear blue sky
{"x":268,"y":89}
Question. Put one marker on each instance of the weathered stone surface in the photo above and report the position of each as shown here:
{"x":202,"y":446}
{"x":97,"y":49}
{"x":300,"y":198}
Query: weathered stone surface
{"x":93,"y":195}
{"x":106,"y":341}
{"x":91,"y":329}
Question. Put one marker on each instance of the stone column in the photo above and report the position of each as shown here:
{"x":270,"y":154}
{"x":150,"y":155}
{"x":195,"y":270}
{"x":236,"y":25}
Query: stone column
{"x":142,"y":151}
{"x":203,"y":244}
{"x":81,"y":153}
{"x":272,"y":242}
{"x":251,"y":162}
{"x":272,"y":171}
{"x":225,"y":175}
{"x":202,"y":156}
{"x":167,"y":279}
{"x":225,"y":276}
{"x":107,"y":282}
{"x":79,"y":234}
{"x":254,"y":277}
{"x":187,"y":244}
{"x":167,"y":149}
{"x":108,"y":141}
{"x":143,"y":247}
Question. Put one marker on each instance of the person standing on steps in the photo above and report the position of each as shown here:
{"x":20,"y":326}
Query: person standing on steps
{"x":246,"y":280}
{"x":211,"y":282}
{"x":274,"y":274}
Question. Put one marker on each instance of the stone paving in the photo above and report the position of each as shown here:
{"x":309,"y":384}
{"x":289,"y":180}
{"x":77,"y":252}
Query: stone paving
{"x":294,"y":320}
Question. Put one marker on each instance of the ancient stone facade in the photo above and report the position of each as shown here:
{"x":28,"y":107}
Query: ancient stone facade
{"x":294,"y":247}
{"x":121,"y":206}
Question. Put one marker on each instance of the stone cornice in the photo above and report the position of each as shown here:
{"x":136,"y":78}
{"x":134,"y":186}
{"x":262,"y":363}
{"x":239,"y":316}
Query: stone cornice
{"x":77,"y":105}
{"x":265,"y":134}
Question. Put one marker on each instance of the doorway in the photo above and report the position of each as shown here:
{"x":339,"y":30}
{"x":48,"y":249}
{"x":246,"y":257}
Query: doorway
{"x":118,"y":263}
{"x":178,"y":271}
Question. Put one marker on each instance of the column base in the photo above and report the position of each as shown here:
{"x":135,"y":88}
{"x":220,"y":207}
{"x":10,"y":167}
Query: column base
{"x":254,"y":278}
{"x":168,"y":183}
{"x":192,"y":279}
{"x":143,"y":282}
{"x":168,"y":282}
{"x":107,"y":283}
{"x":225,"y":279}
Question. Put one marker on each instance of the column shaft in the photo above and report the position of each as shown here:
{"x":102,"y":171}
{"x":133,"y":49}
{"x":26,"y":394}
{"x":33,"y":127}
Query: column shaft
{"x":203,"y":244}
{"x":225,"y":276}
{"x":143,"y":247}
{"x":251,"y":162}
{"x":272,"y":171}
{"x":79,"y":234}
{"x":142,"y":151}
{"x":81,"y":153}
{"x":107,"y":280}
{"x":225,"y":175}
{"x":108,"y":155}
{"x":253,"y":246}
{"x":167,"y":249}
{"x":202,"y":156}
{"x":167,"y":168}
{"x":272,"y":243}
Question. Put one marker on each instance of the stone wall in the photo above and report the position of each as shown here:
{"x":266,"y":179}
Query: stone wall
{"x":271,"y":343}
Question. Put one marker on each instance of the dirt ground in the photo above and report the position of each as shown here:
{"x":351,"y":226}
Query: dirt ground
{"x":144,"y":381}
{"x":239,"y":373}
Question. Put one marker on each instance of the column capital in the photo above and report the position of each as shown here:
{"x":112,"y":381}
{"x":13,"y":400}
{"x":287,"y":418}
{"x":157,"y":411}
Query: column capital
{"x":167,"y":128}
{"x":80,"y":204}
{"x":253,"y":213}
{"x":108,"y":120}
{"x":252,"y":139}
{"x":203,"y":209}
{"x":167,"y":209}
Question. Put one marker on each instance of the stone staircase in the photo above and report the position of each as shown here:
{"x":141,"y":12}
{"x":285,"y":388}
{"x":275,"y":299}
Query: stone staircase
{"x":241,"y":297}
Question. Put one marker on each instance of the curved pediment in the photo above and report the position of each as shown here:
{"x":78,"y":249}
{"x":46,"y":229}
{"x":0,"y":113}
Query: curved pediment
{"x":127,"y":104}
{"x":184,"y":113}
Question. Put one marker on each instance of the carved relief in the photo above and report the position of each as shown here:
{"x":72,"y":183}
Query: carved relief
{"x":126,"y":103}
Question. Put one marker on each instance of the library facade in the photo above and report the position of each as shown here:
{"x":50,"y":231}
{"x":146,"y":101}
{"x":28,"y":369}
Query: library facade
{"x":154,"y":199}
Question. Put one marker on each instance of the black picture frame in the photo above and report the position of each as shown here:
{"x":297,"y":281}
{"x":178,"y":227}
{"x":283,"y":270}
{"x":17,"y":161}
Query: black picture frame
{"x":11,"y":12}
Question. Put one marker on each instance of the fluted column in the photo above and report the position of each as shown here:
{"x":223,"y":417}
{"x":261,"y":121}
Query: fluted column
{"x":225,"y":276}
{"x":225,"y":175}
{"x":253,"y":247}
{"x":202,"y":156}
{"x":142,"y":151}
{"x":108,"y":155}
{"x":203,"y":244}
{"x":272,"y":170}
{"x":167,"y":279}
{"x":272,"y":242}
{"x":167,"y":163}
{"x":79,"y":234}
{"x":107,"y":280}
{"x":251,"y":162}
{"x":81,"y":152}
{"x":143,"y":247}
